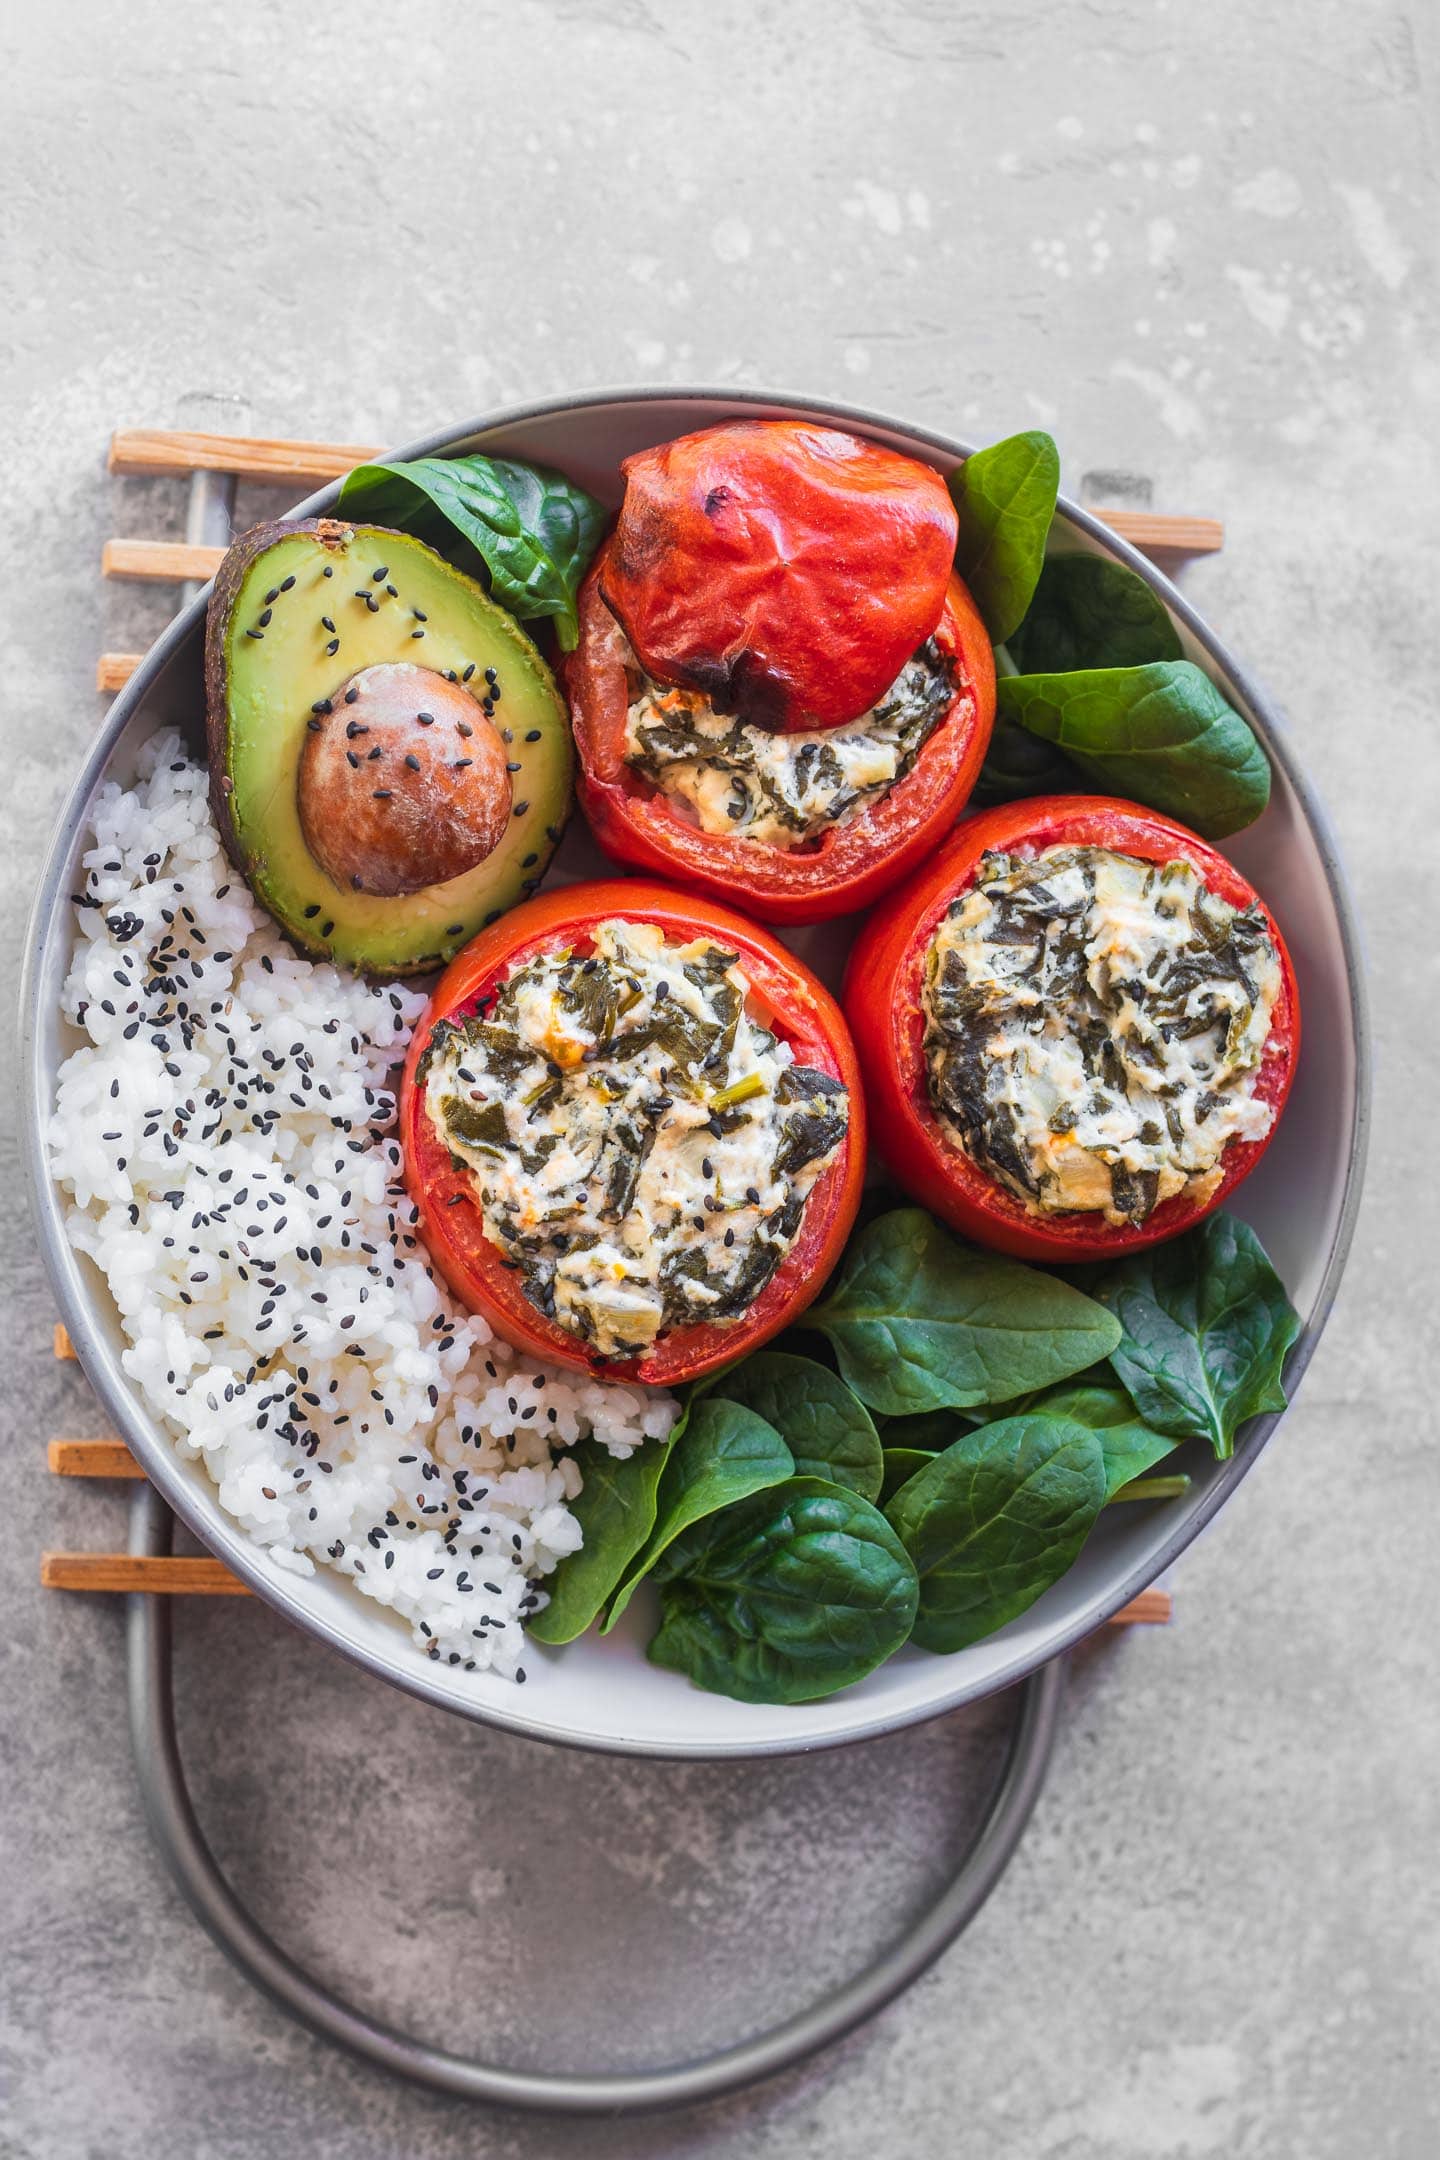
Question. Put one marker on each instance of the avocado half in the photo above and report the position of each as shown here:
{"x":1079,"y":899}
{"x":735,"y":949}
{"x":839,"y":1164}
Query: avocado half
{"x":297,"y":611}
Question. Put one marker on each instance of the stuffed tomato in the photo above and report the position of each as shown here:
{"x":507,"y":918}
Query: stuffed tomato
{"x":634,"y":1130}
{"x":1077,"y":1027}
{"x":782,"y":694}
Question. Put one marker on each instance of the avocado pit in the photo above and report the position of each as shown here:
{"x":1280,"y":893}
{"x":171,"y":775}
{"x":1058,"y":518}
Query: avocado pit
{"x":402,"y":782}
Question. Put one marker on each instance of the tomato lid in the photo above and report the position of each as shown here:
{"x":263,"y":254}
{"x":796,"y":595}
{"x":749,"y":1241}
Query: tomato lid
{"x":787,"y":571}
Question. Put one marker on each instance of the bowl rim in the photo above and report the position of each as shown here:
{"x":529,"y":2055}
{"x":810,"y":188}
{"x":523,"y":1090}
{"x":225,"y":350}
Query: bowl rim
{"x":282,"y":1592}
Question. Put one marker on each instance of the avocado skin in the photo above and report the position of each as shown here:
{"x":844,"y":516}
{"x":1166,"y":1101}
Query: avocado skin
{"x":393,"y":954}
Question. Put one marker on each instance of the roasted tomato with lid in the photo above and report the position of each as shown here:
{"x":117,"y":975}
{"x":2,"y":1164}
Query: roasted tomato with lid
{"x":782,"y":694}
{"x":633,"y":1128}
{"x":1077,"y":1026}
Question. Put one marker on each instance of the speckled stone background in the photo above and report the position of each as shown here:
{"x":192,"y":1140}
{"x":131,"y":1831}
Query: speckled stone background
{"x":1198,"y":243}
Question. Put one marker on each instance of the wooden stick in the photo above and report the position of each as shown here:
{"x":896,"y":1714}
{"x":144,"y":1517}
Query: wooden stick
{"x":172,"y":561}
{"x":211,"y":1578}
{"x":166,"y":562}
{"x":92,"y":1458}
{"x":160,"y":450}
{"x":132,"y":1571}
{"x":60,"y":1341}
{"x":1152,"y":1608}
{"x":114,"y":669}
{"x":1155,"y":533}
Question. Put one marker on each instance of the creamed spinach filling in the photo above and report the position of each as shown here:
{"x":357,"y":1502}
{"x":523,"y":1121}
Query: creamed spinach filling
{"x":1095,"y":1026}
{"x":733,"y":777}
{"x":642,"y":1147}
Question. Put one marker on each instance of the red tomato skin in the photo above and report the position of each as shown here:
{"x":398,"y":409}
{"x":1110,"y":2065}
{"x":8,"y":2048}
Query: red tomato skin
{"x":853,"y":863}
{"x":783,"y":567}
{"x":882,"y":995}
{"x":801,"y":1011}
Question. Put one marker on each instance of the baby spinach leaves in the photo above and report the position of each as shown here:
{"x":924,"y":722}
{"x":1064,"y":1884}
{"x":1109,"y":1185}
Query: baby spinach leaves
{"x":827,"y":1429}
{"x":919,"y":1321}
{"x":1206,"y":1325}
{"x":729,"y":1453}
{"x":1006,"y":498}
{"x":616,"y":1513}
{"x":781,"y":1581}
{"x":995,"y":1520}
{"x":1103,"y":697}
{"x":1091,"y":613}
{"x":1160,"y":734}
{"x":796,"y":1592}
{"x":533,"y":530}
{"x":1128,"y":1445}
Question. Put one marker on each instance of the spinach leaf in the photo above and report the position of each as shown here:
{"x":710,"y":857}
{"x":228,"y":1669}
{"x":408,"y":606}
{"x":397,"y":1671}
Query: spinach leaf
{"x":1154,"y":1488}
{"x":995,"y":1520}
{"x":921,"y":1322}
{"x":1160,"y":734}
{"x":1018,"y":764}
{"x":901,"y":1464}
{"x":1090,"y":613}
{"x":789,"y":1596}
{"x":1206,"y":1325}
{"x":827,"y":1429}
{"x":616,"y":1513}
{"x":728,"y":1453}
{"x":532,"y":529}
{"x":1130,"y":1446}
{"x":1006,"y":498}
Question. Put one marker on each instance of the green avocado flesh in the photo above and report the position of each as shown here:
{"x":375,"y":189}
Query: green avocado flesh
{"x":272,"y":681}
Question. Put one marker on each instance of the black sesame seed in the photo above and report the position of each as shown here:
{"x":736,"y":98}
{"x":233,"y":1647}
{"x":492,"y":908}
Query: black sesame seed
{"x":378,"y":577}
{"x":520,"y":809}
{"x":351,"y":694}
{"x":426,"y":719}
{"x":381,"y":794}
{"x":265,"y":615}
{"x":312,"y":912}
{"x":287,"y":584}
{"x":273,"y":594}
{"x":412,"y":761}
{"x":322,"y":705}
{"x":533,"y":735}
{"x":314,"y":726}
{"x":328,"y":571}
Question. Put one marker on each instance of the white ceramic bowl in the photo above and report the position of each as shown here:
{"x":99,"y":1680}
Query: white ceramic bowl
{"x":604,"y":1694}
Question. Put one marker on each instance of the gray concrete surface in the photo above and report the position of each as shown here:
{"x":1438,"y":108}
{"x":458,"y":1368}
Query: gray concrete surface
{"x":1199,"y":244}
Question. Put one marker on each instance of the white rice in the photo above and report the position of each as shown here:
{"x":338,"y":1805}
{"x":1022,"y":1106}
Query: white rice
{"x":222,"y":1138}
